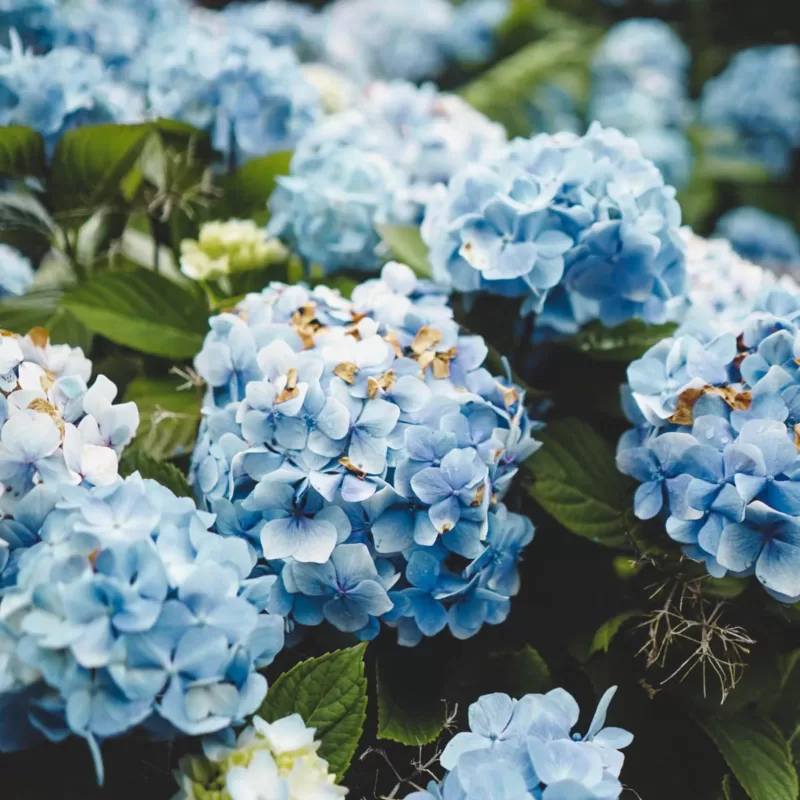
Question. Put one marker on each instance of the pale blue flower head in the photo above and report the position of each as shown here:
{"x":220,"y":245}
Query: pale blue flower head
{"x":31,"y":19}
{"x":361,"y":441}
{"x":762,"y":238}
{"x":16,"y":272}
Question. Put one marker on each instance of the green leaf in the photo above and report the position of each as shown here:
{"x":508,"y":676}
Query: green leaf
{"x":626,"y":342}
{"x":609,"y":629}
{"x":577,"y":482}
{"x":403,"y":716}
{"x":64,"y":328}
{"x":330,"y":694}
{"x":135,"y":460}
{"x":525,"y":672}
{"x":757,"y":755}
{"x":247,"y":190}
{"x":23,"y":212}
{"x":407,"y":246}
{"x":32,"y":310}
{"x":21,"y":152}
{"x":142,"y":310}
{"x":89,"y":166}
{"x":168,"y":418}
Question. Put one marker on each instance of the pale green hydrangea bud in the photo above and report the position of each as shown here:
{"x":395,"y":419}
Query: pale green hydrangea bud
{"x":336,"y":91}
{"x":277,"y":761}
{"x":224,"y":248}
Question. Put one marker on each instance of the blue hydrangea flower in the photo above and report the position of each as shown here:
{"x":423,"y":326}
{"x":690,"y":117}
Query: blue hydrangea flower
{"x":376,"y":163}
{"x":61,"y":90}
{"x":526,"y":749}
{"x":283,"y":23}
{"x":125,"y":611}
{"x":250,"y":96}
{"x":762,"y":238}
{"x":753,"y":107}
{"x":16,"y":272}
{"x":563,"y":213}
{"x":360,"y":448}
{"x":717,"y":421}
{"x":31,"y":19}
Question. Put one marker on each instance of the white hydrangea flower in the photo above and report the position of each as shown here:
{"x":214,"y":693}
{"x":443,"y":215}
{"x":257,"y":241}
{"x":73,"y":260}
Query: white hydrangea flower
{"x":269,"y":761}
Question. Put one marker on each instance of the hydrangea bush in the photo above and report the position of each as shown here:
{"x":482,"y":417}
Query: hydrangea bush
{"x":363,"y":451}
{"x":524,"y":749}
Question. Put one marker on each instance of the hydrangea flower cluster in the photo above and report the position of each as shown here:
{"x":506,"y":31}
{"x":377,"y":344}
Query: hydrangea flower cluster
{"x":754,"y":106}
{"x":251,"y":97}
{"x":267,"y":760}
{"x":715,"y":447}
{"x":31,"y":19}
{"x":64,"y":89}
{"x":582,"y":228}
{"x":413,"y":40}
{"x":376,"y":163}
{"x":226,"y":248}
{"x":723,"y":287}
{"x":283,"y":23}
{"x":762,"y":237}
{"x":54,"y":428}
{"x":525,"y":750}
{"x":121,"y":609}
{"x":363,"y":452}
{"x":16,"y":272}
{"x":640,"y":86}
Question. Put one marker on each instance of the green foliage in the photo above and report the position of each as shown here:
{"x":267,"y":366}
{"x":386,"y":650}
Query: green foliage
{"x":247,"y":190}
{"x":626,"y":342}
{"x":609,"y":629}
{"x":525,"y":672}
{"x":757,"y":755}
{"x":168,"y":417}
{"x":330,"y":694}
{"x":136,"y":460}
{"x":407,"y":246}
{"x":141,"y":310}
{"x":577,"y":482}
{"x":23,"y":212}
{"x":21,"y":152}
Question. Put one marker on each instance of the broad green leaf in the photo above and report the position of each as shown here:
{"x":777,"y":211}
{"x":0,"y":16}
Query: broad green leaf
{"x":89,"y":165}
{"x":407,"y":246}
{"x":330,"y":694}
{"x":142,"y":310}
{"x":757,"y":754}
{"x":21,"y":152}
{"x":525,"y":672}
{"x":32,"y":310}
{"x":134,"y":460}
{"x":405,"y":713}
{"x":64,"y":328}
{"x":609,"y":629}
{"x":577,"y":482}
{"x":247,"y":190}
{"x":168,"y":418}
{"x":626,"y":342}
{"x":23,"y":212}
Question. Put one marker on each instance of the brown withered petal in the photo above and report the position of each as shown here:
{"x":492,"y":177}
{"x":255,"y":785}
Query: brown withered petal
{"x":510,"y":395}
{"x":47,"y":381}
{"x":360,"y":473}
{"x":479,"y":495}
{"x":43,"y":407}
{"x":385,"y":382}
{"x":686,"y":401}
{"x":441,"y":368}
{"x":425,"y":339}
{"x":797,"y":436}
{"x":738,"y":401}
{"x":391,"y":337}
{"x":425,"y":360}
{"x":4,"y":332}
{"x":39,"y":336}
{"x":346,"y":370}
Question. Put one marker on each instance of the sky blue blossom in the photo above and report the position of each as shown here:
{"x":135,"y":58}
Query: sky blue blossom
{"x":753,"y":107}
{"x":526,"y":748}
{"x":16,"y":272}
{"x":364,"y":428}
{"x":31,"y":19}
{"x":562,"y":212}
{"x":127,"y":611}
{"x":716,"y":421}
{"x":761,"y":237}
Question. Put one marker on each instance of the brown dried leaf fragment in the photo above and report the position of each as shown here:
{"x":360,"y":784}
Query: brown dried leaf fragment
{"x":360,"y":473}
{"x":290,"y":391}
{"x":346,"y":370}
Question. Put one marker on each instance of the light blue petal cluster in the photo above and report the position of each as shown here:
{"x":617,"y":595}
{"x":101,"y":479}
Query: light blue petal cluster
{"x":762,"y":238}
{"x":376,"y":163}
{"x":31,"y":19}
{"x":526,"y":750}
{"x":715,"y":447}
{"x":413,"y":40}
{"x":753,"y":107}
{"x":284,"y":24}
{"x":123,"y":610}
{"x":580,"y":227}
{"x":54,"y":428}
{"x":361,"y":448}
{"x":639,"y":85}
{"x":62,"y":90}
{"x":251,"y":97}
{"x":16,"y":272}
